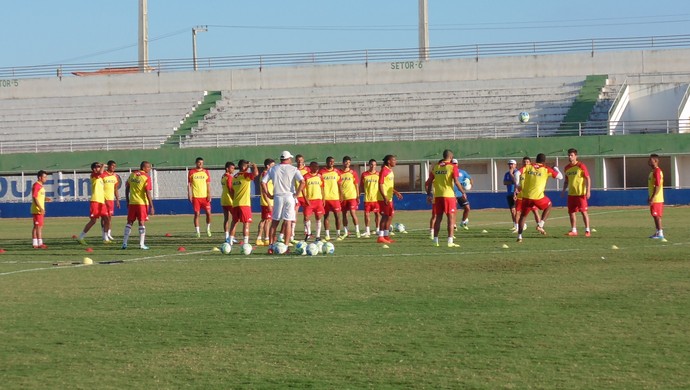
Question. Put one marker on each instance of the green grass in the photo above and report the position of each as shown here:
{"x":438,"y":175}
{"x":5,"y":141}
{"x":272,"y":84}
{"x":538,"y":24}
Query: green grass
{"x":552,"y":312}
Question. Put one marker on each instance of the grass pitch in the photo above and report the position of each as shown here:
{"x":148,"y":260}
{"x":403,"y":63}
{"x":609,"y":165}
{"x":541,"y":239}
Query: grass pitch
{"x":552,"y":312}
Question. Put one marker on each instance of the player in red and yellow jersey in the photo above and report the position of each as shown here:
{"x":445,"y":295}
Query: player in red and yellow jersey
{"x":655,"y":186}
{"x":138,"y":192}
{"x":38,"y":209}
{"x":385,"y":197}
{"x":533,"y":184}
{"x":369,"y":186}
{"x":313,"y":196}
{"x":303,"y":170}
{"x":332,"y":195}
{"x":350,"y":190}
{"x":579,"y":187}
{"x":225,"y":198}
{"x":263,"y":237}
{"x":443,"y":177}
{"x":97,"y":204}
{"x":518,"y":196}
{"x":199,"y":194}
{"x":241,"y":193}
{"x":111,"y":185}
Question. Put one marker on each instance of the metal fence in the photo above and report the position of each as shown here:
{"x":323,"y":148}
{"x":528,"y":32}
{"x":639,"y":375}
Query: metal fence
{"x":359,"y":56}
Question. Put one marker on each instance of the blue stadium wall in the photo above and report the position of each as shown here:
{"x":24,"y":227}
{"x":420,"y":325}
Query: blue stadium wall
{"x":411,"y":201}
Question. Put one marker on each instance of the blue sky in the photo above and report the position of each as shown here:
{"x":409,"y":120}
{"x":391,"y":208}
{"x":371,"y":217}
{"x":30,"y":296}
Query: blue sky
{"x":85,"y":31}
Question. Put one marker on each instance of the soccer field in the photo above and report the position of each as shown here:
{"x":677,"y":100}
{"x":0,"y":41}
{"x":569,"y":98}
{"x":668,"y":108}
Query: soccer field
{"x":551,"y":312}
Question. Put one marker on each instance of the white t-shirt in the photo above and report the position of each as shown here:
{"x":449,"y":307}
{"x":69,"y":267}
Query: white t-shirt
{"x":283,"y":176}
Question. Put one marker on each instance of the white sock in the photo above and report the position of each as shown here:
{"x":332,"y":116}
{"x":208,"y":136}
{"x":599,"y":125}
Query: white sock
{"x":435,"y":240}
{"x":128,"y":230}
{"x":142,"y":235}
{"x":541,"y":224}
{"x":246,"y":239}
{"x":328,"y":233}
{"x":386,"y":233}
{"x":40,"y":241}
{"x":318,"y":228}
{"x":368,"y":231}
{"x":660,"y":232}
{"x":197,"y":229}
{"x":227,"y":235}
{"x":208,"y":227}
{"x":575,"y":230}
{"x":82,"y":235}
{"x":34,"y":241}
{"x":344,"y":230}
{"x":450,"y":239}
{"x":356,"y":228}
{"x":307,"y":228}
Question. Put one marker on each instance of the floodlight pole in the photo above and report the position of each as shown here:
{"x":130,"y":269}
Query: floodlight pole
{"x":143,"y":36}
{"x":423,"y":30}
{"x":194,"y":31}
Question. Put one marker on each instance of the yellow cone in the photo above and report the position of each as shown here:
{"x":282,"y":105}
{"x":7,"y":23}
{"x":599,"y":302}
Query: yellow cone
{"x":87,"y":261}
{"x":614,"y":247}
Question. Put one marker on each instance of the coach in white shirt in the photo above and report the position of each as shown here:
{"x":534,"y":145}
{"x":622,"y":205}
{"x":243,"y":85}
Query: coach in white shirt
{"x":284,"y":176}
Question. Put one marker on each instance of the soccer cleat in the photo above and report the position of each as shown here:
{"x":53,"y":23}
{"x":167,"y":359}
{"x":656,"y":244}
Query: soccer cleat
{"x":327,"y":238}
{"x":42,"y":246}
{"x":392,"y":233}
{"x":259,"y":242}
{"x":453,"y":245}
{"x":198,"y":235}
{"x":107,"y":242}
{"x":519,"y":239}
{"x":340,"y":238}
{"x":124,"y":246}
{"x":436,"y":244}
{"x":571,"y":234}
{"x":208,"y":232}
{"x":143,"y":247}
{"x":541,"y":230}
{"x":657,"y":237}
{"x":382,"y":240}
{"x":389,"y":240}
{"x":464,"y":226}
{"x":588,"y":234}
{"x":358,"y":235}
{"x":81,"y":241}
{"x":365,"y":235}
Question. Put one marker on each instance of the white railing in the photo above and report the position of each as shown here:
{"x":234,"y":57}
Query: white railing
{"x":73,"y":145}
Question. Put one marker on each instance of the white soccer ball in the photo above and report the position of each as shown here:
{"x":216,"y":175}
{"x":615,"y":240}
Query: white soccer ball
{"x":280,"y":248}
{"x":319,"y":245}
{"x":328,"y":248}
{"x":312,"y":249}
{"x":301,"y":248}
{"x":524,"y":117}
{"x":226,"y":248}
{"x":467,"y":184}
{"x":399,"y":227}
{"x":246,"y":249}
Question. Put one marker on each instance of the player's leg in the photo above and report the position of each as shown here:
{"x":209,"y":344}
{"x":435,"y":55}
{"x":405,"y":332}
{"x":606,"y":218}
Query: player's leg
{"x":585,"y":219}
{"x":226,"y":222}
{"x":87,"y":227}
{"x":327,"y":222}
{"x":343,"y":218}
{"x":355,"y":219}
{"x":208,"y":219}
{"x":196,"y":223}
{"x":466,"y":214}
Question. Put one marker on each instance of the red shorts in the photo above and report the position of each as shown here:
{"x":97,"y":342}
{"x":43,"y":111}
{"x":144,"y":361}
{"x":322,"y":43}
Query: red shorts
{"x":242,"y":214}
{"x":38,"y":219}
{"x":228,"y":209}
{"x":371,"y":207}
{"x":201,"y":203}
{"x":97,"y":210}
{"x":266,"y":212}
{"x":138,"y":212}
{"x":301,"y":202}
{"x":445,"y":206}
{"x":657,"y":209}
{"x":577,"y":203}
{"x":332,"y":205}
{"x":386,"y":209}
{"x":349,"y":204}
{"x":315,"y":207}
{"x":529,"y":204}
{"x":109,"y":208}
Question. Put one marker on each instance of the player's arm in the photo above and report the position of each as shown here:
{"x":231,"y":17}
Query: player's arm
{"x":208,"y":188}
{"x":34,"y":199}
{"x":149,"y":196}
{"x":657,"y":186}
{"x":518,"y":177}
{"x":300,"y":188}
{"x":459,"y":186}
{"x":382,"y":192}
{"x":565,"y":186}
{"x":189,"y":188}
{"x":127,"y":192}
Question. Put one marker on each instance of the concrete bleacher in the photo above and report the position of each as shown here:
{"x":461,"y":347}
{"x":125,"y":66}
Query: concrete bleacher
{"x":469,"y":109}
{"x":89,"y":122}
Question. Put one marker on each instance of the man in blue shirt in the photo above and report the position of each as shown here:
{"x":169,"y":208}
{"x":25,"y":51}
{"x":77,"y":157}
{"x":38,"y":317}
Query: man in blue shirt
{"x":509,"y":181}
{"x":466,"y":180}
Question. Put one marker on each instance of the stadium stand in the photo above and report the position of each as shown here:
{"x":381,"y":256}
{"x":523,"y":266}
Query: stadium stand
{"x":93,"y":122}
{"x":472,"y":109}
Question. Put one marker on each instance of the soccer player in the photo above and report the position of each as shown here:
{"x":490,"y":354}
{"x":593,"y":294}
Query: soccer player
{"x":579,"y":187}
{"x":138,"y":192}
{"x":284,"y":177}
{"x":444,"y":176}
{"x":225,"y":198}
{"x":313,"y":197}
{"x":655,"y":186}
{"x":111,"y":186}
{"x":303,"y":170}
{"x":38,"y":209}
{"x":199,"y":194}
{"x":332,"y":195}
{"x":241,"y":198}
{"x":510,"y":182}
{"x":263,"y":237}
{"x":461,"y":195}
{"x":350,"y":202}
{"x":385,"y":197}
{"x":526,"y":161}
{"x":369,"y":186}
{"x":533,"y":186}
{"x":97,"y":204}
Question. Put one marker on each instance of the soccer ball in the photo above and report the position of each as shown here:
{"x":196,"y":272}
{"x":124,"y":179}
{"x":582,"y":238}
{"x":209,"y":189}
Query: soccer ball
{"x":467,"y":184}
{"x":280,"y":248}
{"x":301,"y":248}
{"x":319,"y":245}
{"x":524,"y":117}
{"x":328,"y":248}
{"x":246,"y":249}
{"x":399,"y":227}
{"x":312,"y":249}
{"x":226,"y":248}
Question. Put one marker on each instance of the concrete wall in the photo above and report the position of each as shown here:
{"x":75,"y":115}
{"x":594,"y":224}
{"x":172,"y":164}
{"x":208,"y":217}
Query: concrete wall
{"x":489,"y":68}
{"x":654,"y":101}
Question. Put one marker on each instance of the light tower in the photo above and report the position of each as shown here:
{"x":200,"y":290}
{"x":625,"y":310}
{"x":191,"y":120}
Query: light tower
{"x":143,"y":36}
{"x":423,"y":30}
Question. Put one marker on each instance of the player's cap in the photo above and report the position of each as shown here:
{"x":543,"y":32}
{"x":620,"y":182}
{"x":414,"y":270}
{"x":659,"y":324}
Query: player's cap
{"x":454,"y":161}
{"x":512,"y":162}
{"x":285,"y":155}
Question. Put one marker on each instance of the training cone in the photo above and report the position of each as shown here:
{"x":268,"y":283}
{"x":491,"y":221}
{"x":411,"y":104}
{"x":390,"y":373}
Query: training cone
{"x":89,"y":249}
{"x":74,"y":236}
{"x":485,"y":231}
{"x":385,"y":246}
{"x":505,"y":246}
{"x":614,"y":247}
{"x":168,"y":235}
{"x":181,"y":249}
{"x":87,"y":261}
{"x":215,"y":249}
{"x":2,"y":251}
